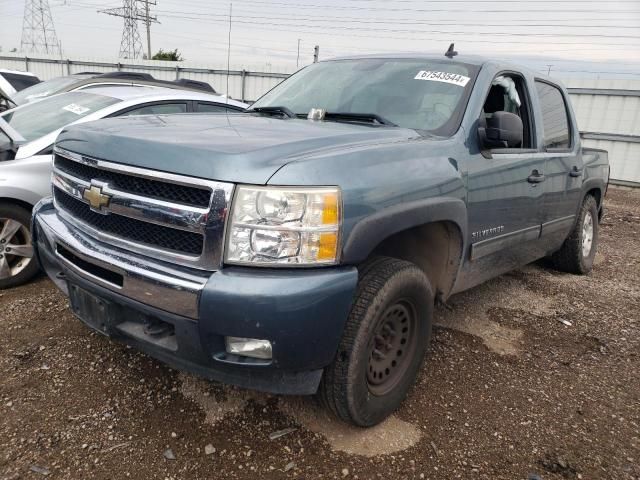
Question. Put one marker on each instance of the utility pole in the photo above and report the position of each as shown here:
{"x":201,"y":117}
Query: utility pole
{"x":38,"y":31}
{"x":229,"y":50}
{"x":549,"y":69}
{"x":298,"y":57}
{"x":131,"y":44}
{"x":148,"y":22}
{"x":316,"y":52}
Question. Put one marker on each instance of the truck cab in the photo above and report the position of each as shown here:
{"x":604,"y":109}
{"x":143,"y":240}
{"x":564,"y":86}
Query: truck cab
{"x":300,"y":247}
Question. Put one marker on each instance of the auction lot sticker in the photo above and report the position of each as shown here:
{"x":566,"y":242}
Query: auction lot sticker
{"x":445,"y":77}
{"x":77,"y":109}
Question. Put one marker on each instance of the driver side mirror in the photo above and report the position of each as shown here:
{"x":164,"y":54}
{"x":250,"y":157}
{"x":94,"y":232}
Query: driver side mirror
{"x":501,"y":130}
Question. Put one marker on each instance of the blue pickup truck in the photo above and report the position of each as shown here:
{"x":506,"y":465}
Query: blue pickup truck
{"x":299,"y":247}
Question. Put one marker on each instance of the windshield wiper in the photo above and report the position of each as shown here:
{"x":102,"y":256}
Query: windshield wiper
{"x":271,"y":110}
{"x":359,"y":117}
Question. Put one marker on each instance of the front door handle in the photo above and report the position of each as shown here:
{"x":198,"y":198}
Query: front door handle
{"x":575,"y":172}
{"x":535,"y":177}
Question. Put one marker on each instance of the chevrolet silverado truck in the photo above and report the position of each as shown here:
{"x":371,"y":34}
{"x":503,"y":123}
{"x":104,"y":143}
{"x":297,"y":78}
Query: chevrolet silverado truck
{"x":300,"y":247}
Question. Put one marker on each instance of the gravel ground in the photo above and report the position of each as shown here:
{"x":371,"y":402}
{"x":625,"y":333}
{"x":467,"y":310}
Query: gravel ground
{"x":535,"y":374}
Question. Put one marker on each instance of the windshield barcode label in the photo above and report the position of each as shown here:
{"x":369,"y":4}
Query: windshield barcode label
{"x":77,"y":109}
{"x":445,"y":77}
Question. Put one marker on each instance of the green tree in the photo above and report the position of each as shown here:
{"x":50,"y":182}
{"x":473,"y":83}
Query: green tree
{"x":173,"y":56}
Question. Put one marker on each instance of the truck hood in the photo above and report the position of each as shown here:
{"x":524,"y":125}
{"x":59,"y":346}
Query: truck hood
{"x":241,"y":148}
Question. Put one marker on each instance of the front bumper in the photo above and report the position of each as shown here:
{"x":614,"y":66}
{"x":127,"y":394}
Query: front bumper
{"x":302,"y":312}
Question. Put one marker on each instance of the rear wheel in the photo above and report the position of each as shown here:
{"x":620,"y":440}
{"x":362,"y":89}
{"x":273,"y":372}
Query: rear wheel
{"x":17,"y":264}
{"x":383,"y":344}
{"x":579,"y":249}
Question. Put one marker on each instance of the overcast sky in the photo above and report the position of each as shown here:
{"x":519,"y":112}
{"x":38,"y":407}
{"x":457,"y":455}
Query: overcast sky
{"x":570,"y":35}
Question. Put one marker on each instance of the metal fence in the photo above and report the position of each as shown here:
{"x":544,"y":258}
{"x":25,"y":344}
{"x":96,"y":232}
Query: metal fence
{"x":608,"y":111}
{"x":245,"y":85}
{"x":608,"y":114}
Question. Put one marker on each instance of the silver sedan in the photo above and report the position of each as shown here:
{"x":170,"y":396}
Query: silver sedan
{"x":27,"y":134}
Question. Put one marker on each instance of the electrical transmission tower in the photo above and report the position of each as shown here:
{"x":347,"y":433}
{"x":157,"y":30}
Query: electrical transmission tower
{"x":131,"y":44}
{"x":38,"y":32}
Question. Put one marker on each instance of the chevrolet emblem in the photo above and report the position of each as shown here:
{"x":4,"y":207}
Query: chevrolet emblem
{"x":95,"y":197}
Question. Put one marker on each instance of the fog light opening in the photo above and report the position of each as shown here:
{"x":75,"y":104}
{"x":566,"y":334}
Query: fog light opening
{"x":249,"y":347}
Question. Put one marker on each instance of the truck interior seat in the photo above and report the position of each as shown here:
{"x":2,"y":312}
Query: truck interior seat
{"x":495,"y":99}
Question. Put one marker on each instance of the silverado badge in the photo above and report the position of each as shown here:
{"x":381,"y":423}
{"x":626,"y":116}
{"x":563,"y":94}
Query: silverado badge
{"x":486,"y":232}
{"x":97,"y":200}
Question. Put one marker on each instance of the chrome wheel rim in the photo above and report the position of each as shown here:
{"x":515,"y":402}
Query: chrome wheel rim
{"x":587,"y":234}
{"x":16,"y":252}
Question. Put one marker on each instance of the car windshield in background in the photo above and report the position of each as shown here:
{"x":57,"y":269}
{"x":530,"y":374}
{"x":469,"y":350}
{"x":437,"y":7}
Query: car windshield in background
{"x":43,"y":89}
{"x":411,"y":93}
{"x":38,"y":119}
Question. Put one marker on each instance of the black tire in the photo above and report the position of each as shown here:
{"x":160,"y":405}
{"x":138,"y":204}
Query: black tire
{"x":571,"y":258}
{"x":22,"y":238}
{"x":393,"y":296}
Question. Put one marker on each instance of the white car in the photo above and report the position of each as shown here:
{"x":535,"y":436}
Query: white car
{"x":27,"y":134}
{"x":12,"y":81}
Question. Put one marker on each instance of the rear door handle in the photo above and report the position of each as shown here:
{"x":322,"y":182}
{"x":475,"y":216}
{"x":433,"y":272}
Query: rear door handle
{"x":575,"y":172}
{"x":535,"y":177}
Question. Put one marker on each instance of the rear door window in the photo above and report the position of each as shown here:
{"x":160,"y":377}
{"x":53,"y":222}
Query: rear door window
{"x":555,"y":118}
{"x":20,"y":82}
{"x":157,"y":109}
{"x":215,"y":107}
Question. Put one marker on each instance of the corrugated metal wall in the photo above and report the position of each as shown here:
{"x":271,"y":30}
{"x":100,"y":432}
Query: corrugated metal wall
{"x":248,"y":85}
{"x":607,"y":108}
{"x":610,"y":111}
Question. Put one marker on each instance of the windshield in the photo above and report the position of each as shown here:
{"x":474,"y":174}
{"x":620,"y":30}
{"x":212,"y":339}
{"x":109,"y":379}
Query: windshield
{"x":40,"y":118}
{"x":424,"y":95}
{"x":44,"y":89}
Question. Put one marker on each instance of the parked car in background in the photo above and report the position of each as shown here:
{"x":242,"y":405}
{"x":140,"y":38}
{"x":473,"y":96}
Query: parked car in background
{"x":26,"y":145}
{"x":12,"y":81}
{"x":87,"y":80}
{"x":300,"y":247}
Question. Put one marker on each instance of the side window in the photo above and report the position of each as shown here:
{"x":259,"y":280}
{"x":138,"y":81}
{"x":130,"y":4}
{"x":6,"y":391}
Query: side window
{"x":555,"y":118}
{"x":215,"y":107}
{"x":157,"y":109}
{"x":508,"y":93}
{"x":20,"y":82}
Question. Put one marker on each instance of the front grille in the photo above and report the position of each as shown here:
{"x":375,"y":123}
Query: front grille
{"x":128,"y":228}
{"x":198,"y":197}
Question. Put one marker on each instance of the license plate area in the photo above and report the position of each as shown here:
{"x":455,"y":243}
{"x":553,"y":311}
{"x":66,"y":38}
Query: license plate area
{"x":92,"y":310}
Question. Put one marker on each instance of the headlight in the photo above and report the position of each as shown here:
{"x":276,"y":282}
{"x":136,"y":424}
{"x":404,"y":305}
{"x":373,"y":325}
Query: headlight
{"x":292,"y":226}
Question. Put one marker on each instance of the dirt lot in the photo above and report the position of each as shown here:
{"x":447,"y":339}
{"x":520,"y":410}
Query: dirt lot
{"x":534,"y":374}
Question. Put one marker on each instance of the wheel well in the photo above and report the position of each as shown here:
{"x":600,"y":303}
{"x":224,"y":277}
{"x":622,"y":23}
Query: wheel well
{"x":13,"y":201}
{"x":434,"y":247}
{"x":595,"y":193}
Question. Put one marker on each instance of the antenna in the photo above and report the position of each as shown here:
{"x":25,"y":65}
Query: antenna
{"x":229,"y":50}
{"x":38,"y":32}
{"x":131,"y":44}
{"x":450,"y":52}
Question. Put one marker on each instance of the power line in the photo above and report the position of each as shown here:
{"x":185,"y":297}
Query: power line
{"x":261,"y":24}
{"x":430,"y":10}
{"x":495,"y":1}
{"x":315,"y":20}
{"x":574,"y":14}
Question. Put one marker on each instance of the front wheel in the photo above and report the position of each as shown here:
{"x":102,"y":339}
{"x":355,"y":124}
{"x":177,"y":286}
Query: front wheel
{"x":579,"y":249}
{"x":17,"y":264}
{"x":383,"y":343}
